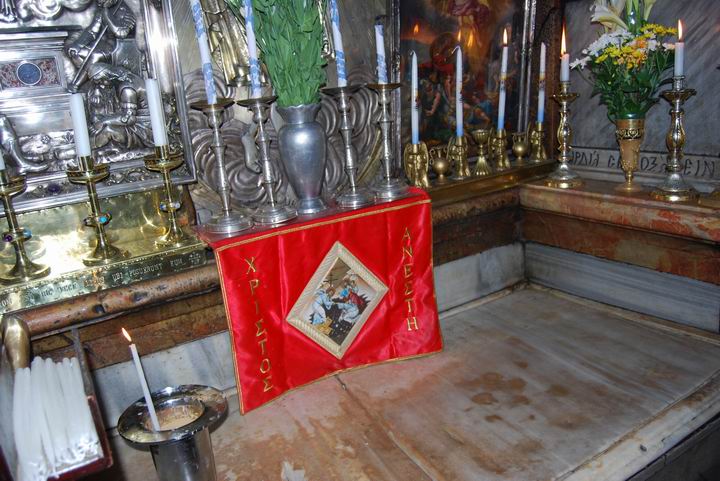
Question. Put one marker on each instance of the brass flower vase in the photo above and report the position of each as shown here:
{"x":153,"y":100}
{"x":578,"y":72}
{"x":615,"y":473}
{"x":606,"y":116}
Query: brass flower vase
{"x":629,"y":134}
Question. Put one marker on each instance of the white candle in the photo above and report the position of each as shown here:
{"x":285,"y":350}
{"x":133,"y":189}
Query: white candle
{"x":82,"y":136}
{"x":205,"y":57}
{"x":564,"y":60}
{"x":680,"y":53}
{"x":338,"y":41}
{"x":414,"y":114}
{"x":255,"y":90}
{"x":503,"y":79}
{"x":458,"y":92}
{"x":541,"y":86}
{"x":143,"y":382}
{"x":380,"y":49}
{"x":157,"y":112}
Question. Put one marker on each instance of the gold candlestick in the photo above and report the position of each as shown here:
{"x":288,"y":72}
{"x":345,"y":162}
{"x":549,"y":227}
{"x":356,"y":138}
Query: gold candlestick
{"x":458,"y":157}
{"x":416,"y":160}
{"x":538,"y":153}
{"x":89,"y":173}
{"x":563,"y":177}
{"x":520,"y":147}
{"x":164,"y":161}
{"x":482,"y":139}
{"x":24,"y":269}
{"x":674,"y":188}
{"x":500,"y":150}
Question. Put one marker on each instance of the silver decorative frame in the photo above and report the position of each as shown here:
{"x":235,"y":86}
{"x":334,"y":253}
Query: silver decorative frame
{"x":155,"y":33}
{"x":337,"y":252}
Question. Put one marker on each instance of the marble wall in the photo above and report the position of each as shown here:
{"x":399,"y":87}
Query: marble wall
{"x":594,"y":136}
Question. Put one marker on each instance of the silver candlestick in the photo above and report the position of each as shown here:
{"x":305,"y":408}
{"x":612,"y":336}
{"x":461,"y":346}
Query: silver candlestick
{"x":227,"y":221}
{"x":674,"y":188}
{"x":352,"y":196}
{"x":389,"y":187}
{"x":272,"y":212}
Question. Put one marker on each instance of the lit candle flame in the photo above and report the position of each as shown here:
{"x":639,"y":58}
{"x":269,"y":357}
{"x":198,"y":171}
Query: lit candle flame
{"x":679,"y":30}
{"x":505,"y":39}
{"x":459,"y":35}
{"x":416,"y":30}
{"x":127,"y":336}
{"x":471,"y":40}
{"x":563,"y":49}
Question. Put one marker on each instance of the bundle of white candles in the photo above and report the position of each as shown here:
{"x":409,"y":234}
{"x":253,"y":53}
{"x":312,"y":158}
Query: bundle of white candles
{"x":52,"y":424}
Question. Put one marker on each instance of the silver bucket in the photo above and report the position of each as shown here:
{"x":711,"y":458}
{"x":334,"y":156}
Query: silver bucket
{"x":181,"y":450}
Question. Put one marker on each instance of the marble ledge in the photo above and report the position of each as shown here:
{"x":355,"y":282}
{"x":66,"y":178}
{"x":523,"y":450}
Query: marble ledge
{"x":598,"y":201}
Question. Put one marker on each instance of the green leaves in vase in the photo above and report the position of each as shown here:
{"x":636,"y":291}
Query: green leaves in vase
{"x":290,"y":38}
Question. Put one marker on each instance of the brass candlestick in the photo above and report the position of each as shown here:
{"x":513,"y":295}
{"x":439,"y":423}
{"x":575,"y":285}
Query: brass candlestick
{"x":482,"y":140}
{"x":458,"y":157}
{"x":674,"y":188}
{"x":440,"y":163}
{"x":24,"y":269}
{"x":272,"y":212}
{"x":563,"y":177}
{"x":228,"y":220}
{"x":89,"y":173}
{"x":520,"y":147}
{"x":389,"y":187}
{"x":538,"y":153}
{"x":499,"y":150}
{"x":416,"y":160}
{"x":164,"y":161}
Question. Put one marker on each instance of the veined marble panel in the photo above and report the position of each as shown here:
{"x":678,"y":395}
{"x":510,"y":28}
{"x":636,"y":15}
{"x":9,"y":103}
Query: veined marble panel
{"x":666,"y":296}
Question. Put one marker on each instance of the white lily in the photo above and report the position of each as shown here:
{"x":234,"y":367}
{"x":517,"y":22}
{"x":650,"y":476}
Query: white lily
{"x":605,"y":15}
{"x":648,"y":8}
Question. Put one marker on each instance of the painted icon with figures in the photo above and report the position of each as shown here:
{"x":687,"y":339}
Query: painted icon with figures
{"x":338,"y":300}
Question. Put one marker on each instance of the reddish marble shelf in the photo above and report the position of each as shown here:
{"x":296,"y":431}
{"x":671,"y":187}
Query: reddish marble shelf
{"x":599,"y":202}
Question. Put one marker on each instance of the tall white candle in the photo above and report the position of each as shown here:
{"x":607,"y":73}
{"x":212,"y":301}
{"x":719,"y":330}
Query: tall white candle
{"x":414,"y":114}
{"x":541,"y":86}
{"x":503,"y":81}
{"x":82,"y":136}
{"x":338,"y":41}
{"x":380,"y":49}
{"x":458,"y":92}
{"x":255,"y":90}
{"x":157,"y":112}
{"x":205,"y":57}
{"x":564,"y":60}
{"x":679,"y":53}
{"x":143,"y":382}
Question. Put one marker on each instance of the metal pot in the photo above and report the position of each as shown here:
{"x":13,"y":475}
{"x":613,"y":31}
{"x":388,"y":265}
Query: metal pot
{"x":302,"y":150}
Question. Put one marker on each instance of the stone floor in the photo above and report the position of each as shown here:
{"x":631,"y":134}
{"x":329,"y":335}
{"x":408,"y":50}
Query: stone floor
{"x":533,"y":385}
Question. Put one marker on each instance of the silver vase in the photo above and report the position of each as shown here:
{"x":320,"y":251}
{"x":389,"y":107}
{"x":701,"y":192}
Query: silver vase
{"x":302,"y":150}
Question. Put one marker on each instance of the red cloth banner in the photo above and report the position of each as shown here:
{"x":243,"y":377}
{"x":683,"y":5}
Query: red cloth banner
{"x":312,"y":298}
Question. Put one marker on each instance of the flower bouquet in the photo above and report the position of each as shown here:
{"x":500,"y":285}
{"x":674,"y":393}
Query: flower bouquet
{"x":627,"y":66}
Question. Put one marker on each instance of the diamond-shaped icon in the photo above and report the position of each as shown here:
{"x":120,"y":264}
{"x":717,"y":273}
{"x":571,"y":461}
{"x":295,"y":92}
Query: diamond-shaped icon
{"x":337,"y":301}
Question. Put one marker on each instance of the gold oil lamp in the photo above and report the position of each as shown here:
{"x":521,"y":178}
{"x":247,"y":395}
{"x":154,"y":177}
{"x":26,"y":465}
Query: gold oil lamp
{"x":24,"y":269}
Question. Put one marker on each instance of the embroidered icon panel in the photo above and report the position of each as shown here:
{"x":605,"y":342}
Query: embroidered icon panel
{"x":337,"y":301}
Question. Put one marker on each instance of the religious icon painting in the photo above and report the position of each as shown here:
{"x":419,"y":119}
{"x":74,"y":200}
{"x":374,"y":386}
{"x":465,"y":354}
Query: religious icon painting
{"x":337,"y":301}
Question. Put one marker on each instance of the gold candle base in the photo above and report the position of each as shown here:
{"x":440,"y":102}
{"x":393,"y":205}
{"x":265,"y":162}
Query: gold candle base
{"x":499,"y":148}
{"x":711,"y":200}
{"x":89,"y":174}
{"x":458,"y":157}
{"x":164,"y":161}
{"x":563,"y":177}
{"x":521,"y":146}
{"x":482,"y":140}
{"x":416,"y":160}
{"x":440,"y":164}
{"x":24,"y":269}
{"x":674,"y":188}
{"x":538,"y":154}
